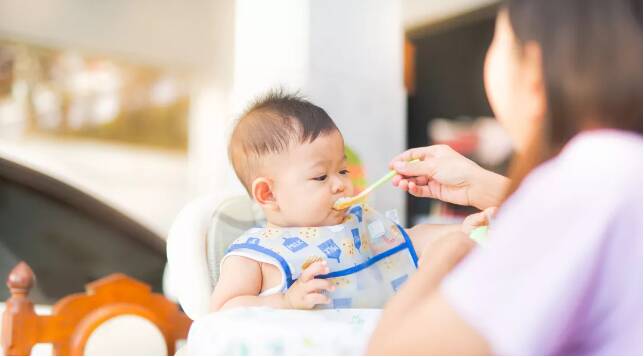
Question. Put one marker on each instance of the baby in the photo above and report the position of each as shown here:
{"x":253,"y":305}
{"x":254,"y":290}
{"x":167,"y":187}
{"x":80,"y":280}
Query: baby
{"x":289,"y":155}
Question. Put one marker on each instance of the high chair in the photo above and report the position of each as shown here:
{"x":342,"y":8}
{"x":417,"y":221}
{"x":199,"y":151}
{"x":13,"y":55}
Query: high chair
{"x":197,"y":241}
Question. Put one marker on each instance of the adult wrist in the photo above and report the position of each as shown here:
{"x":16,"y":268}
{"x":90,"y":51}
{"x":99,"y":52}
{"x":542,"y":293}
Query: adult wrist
{"x":487,"y":189}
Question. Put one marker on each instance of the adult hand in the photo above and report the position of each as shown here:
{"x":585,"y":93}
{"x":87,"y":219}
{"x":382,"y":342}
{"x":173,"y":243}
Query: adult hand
{"x":479,"y":219}
{"x":446,"y":175}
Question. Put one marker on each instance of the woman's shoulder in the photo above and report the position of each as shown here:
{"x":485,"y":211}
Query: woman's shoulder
{"x":597,"y":165}
{"x":613,"y":153}
{"x":595,"y":179}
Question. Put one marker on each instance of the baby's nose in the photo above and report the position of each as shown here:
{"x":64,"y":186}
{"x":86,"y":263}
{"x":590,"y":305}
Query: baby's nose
{"x":338,"y":186}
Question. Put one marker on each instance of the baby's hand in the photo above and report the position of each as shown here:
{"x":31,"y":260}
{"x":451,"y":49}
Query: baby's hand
{"x":306,"y":292}
{"x":478,"y":219}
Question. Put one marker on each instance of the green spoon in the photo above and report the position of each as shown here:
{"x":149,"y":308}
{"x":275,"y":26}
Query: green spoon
{"x":346,"y":202}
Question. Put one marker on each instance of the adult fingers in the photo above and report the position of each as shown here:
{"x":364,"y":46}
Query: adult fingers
{"x":490,"y":212}
{"x":472,"y":221}
{"x":402,"y":184}
{"x":481,"y":218}
{"x":478,"y":219}
{"x":420,"y":153}
{"x":419,"y":180}
{"x":413,"y":189}
{"x":418,"y":191}
{"x":416,"y":153}
{"x":315,"y":269}
{"x":396,"y":180}
{"x":404,"y":156}
{"x":426,"y":167}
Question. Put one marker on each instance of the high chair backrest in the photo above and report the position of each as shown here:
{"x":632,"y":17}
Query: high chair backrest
{"x":231,"y":219}
{"x":197,"y":241}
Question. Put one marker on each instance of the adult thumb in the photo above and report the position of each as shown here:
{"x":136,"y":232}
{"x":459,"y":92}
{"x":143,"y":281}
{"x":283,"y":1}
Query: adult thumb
{"x":418,"y":168}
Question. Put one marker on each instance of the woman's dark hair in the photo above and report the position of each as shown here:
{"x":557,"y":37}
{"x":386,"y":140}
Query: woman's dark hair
{"x":592,"y":68}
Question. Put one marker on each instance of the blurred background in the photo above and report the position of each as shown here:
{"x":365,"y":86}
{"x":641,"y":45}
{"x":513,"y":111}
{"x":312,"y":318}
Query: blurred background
{"x":115,"y":114}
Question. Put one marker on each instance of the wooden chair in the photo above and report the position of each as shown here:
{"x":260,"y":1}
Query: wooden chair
{"x":76,"y":316}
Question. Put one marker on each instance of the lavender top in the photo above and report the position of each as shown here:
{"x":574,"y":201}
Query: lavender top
{"x":562,"y":273}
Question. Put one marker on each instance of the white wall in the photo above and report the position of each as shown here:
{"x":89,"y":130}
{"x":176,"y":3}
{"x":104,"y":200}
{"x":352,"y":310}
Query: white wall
{"x":356,"y":74}
{"x":269,"y":49}
{"x":272,"y":47}
{"x":211,"y":109}
{"x":344,"y":55}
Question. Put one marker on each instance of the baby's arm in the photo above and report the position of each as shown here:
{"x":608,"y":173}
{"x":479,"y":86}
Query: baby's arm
{"x":240,"y":283}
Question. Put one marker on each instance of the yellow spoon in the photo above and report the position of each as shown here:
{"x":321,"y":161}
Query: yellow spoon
{"x":345,"y":202}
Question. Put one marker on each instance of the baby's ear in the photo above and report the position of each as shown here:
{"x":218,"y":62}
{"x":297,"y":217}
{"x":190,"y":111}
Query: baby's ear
{"x":262,"y":192}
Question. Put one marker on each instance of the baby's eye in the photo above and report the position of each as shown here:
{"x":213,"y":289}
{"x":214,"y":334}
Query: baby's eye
{"x":344,"y":172}
{"x":320,"y":178}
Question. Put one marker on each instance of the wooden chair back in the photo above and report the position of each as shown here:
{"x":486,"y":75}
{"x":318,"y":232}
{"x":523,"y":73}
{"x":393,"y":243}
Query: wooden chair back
{"x":75,"y":317}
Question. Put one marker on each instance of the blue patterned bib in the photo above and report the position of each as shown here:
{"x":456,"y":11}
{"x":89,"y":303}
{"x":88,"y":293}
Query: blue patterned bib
{"x":369,"y":255}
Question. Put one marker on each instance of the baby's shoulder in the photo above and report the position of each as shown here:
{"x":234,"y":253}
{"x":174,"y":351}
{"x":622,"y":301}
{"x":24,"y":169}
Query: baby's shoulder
{"x":258,"y":233}
{"x":262,"y":238}
{"x":242,"y":264}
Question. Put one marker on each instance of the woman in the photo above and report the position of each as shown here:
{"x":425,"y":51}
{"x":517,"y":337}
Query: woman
{"x":562,"y":273}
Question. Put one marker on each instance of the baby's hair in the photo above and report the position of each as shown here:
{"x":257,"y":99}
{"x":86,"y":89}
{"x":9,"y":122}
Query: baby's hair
{"x":270,"y":125}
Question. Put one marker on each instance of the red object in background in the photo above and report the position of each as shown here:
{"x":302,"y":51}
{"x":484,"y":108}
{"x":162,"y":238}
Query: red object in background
{"x":465,"y":143}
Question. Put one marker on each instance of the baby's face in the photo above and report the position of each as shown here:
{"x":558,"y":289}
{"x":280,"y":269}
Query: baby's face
{"x":307,"y":180}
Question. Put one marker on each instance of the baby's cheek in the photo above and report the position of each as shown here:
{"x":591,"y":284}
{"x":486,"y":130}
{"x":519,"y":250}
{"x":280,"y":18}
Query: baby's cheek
{"x":349,"y":191}
{"x":310,"y":207}
{"x":321,"y":208}
{"x":308,"y":210}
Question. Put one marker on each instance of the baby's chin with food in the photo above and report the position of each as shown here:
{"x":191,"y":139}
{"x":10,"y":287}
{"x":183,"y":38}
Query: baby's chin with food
{"x":333,"y":217}
{"x":336,"y":214}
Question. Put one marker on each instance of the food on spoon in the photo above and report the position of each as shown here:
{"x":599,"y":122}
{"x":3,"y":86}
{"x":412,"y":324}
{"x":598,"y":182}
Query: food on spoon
{"x":341,"y":203}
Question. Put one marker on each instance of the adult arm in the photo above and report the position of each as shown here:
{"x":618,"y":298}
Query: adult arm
{"x":418,"y":320}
